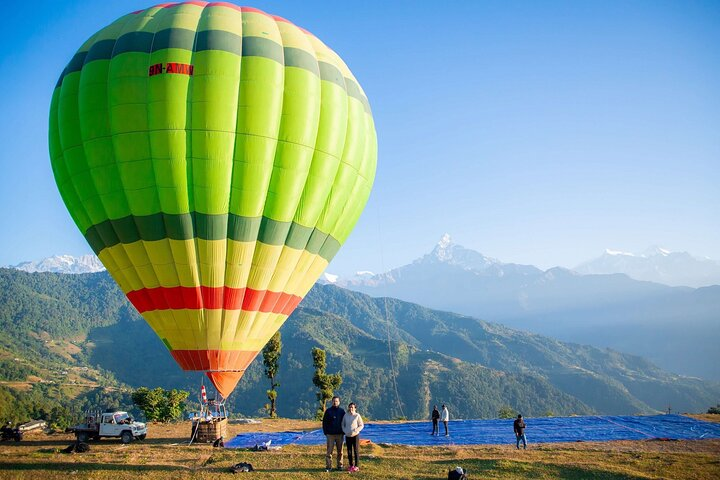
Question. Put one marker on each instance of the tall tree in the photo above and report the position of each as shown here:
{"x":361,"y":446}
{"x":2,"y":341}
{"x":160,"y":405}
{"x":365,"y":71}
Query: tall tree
{"x":160,"y":404}
{"x":271,"y":360}
{"x":326,"y":383}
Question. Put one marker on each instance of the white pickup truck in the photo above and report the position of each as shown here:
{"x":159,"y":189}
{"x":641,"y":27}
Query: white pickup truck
{"x":110,"y":424}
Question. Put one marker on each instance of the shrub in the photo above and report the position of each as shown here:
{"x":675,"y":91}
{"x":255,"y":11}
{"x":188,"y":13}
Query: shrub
{"x":160,"y":404}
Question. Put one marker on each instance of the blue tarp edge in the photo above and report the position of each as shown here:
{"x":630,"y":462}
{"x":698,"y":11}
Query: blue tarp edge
{"x":490,"y":432}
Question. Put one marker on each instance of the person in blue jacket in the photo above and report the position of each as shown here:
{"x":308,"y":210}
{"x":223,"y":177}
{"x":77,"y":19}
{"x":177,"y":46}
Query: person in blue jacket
{"x":332,"y":428}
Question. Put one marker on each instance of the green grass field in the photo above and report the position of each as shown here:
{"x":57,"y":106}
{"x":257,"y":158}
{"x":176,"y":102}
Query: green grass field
{"x":166,"y":455}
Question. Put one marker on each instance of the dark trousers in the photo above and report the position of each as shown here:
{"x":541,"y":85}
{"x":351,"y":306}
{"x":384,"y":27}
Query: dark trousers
{"x":353,"y":446}
{"x":446,"y":429}
{"x":436,"y":429}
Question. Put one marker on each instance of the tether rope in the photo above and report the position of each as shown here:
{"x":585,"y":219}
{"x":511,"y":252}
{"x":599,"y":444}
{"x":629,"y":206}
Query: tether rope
{"x":387,"y":320}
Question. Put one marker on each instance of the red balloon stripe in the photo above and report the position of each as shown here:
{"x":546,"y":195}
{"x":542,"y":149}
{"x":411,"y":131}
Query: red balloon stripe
{"x":213,"y":298}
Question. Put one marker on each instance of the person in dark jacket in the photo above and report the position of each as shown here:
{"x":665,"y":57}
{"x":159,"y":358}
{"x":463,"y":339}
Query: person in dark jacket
{"x":332,"y":428}
{"x":519,"y":427}
{"x":435,"y":418}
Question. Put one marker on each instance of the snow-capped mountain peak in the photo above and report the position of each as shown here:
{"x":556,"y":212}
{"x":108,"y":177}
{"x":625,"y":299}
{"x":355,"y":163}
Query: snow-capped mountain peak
{"x":655,"y":250}
{"x":618,"y":252}
{"x":62,"y":264}
{"x":445,"y":257}
{"x":329,"y":278}
{"x":656,"y":264}
{"x":447,"y":252}
{"x":445,"y":241}
{"x":443,"y":249}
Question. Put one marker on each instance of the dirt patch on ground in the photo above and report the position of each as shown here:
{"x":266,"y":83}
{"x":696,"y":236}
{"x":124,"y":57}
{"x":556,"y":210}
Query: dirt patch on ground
{"x":63,"y":348}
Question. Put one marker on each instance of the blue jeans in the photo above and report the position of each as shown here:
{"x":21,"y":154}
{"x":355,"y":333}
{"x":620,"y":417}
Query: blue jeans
{"x":524,"y":440}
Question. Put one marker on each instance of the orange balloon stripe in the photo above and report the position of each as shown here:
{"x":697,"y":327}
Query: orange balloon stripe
{"x":217,"y":360}
{"x":224,"y":382}
{"x":213,"y":298}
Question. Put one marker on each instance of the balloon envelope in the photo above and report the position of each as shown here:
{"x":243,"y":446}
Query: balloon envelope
{"x":215,"y":158}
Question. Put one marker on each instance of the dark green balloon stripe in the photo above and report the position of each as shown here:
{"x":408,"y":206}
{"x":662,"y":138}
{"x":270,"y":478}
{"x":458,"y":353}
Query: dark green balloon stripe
{"x":299,"y":58}
{"x":353,"y":90}
{"x":332,"y":74}
{"x":99,"y":51}
{"x":227,"y":42}
{"x":186,"y":226}
{"x":140,"y":42}
{"x":218,"y":40}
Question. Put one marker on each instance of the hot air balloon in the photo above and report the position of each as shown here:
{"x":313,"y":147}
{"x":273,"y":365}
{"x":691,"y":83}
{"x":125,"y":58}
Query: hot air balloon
{"x":215,"y":158}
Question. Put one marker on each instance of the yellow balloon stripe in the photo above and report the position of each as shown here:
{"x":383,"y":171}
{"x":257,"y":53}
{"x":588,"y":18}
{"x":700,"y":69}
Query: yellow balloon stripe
{"x":190,"y":329}
{"x":173,"y":263}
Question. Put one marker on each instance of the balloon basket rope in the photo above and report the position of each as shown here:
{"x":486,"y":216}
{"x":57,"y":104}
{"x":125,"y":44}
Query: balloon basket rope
{"x":210,"y":424}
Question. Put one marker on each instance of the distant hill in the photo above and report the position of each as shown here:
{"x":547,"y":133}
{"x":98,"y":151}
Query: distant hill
{"x":474,"y":366}
{"x":677,"y":328}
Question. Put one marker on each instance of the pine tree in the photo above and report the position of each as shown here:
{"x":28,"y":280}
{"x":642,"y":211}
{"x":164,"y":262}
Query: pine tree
{"x":326,"y":383}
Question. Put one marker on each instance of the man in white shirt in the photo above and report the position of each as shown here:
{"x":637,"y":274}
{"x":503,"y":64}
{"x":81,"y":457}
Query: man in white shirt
{"x":445,"y":418}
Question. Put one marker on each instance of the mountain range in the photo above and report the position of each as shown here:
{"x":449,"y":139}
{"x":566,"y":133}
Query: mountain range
{"x":396,"y":358}
{"x":657,"y":265}
{"x":62,"y":264}
{"x":676,"y":327}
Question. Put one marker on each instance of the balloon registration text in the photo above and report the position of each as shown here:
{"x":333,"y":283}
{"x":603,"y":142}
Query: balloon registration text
{"x":170,"y":67}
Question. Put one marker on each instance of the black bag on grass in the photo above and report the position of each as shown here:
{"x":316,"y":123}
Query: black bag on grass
{"x":457,"y":474}
{"x":242,"y":467}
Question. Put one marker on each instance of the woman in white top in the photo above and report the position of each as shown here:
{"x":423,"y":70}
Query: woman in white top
{"x":352,"y":424}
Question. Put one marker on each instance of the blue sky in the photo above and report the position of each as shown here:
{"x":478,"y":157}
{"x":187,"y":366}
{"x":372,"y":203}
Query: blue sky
{"x":534,"y":132}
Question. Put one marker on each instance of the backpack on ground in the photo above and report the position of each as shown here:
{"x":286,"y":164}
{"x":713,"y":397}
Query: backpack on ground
{"x":457,"y":474}
{"x":242,"y":467}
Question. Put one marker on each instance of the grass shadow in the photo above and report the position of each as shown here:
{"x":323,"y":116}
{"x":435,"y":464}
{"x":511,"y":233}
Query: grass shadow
{"x":318,"y":471}
{"x":87,"y":467}
{"x":92,"y":443}
{"x":482,"y":468}
{"x":41,"y":443}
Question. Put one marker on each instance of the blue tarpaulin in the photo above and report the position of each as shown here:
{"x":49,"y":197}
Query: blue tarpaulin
{"x":481,"y":432}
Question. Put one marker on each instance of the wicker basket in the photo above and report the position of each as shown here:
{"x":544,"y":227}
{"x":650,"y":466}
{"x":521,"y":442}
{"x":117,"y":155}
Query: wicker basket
{"x":209,"y":431}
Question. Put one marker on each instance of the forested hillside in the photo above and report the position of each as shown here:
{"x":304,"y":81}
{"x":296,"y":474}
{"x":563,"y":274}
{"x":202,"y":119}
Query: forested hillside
{"x":82,"y":325}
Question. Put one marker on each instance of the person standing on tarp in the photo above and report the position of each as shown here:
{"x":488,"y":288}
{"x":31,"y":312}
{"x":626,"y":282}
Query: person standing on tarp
{"x":435,"y":418}
{"x":332,"y":428}
{"x":519,"y":427}
{"x":445,"y":417}
{"x":352,"y":425}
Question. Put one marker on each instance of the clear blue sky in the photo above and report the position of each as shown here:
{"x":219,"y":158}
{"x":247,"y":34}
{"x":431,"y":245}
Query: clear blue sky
{"x":534,"y":132}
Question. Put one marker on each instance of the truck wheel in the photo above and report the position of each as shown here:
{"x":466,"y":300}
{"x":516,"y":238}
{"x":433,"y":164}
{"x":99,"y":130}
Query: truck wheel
{"x":82,"y":437}
{"x":126,"y":436}
{"x":142,"y":437}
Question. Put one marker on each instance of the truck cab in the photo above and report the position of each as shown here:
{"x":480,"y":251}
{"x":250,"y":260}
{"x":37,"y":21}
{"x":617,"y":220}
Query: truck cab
{"x":113,"y":424}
